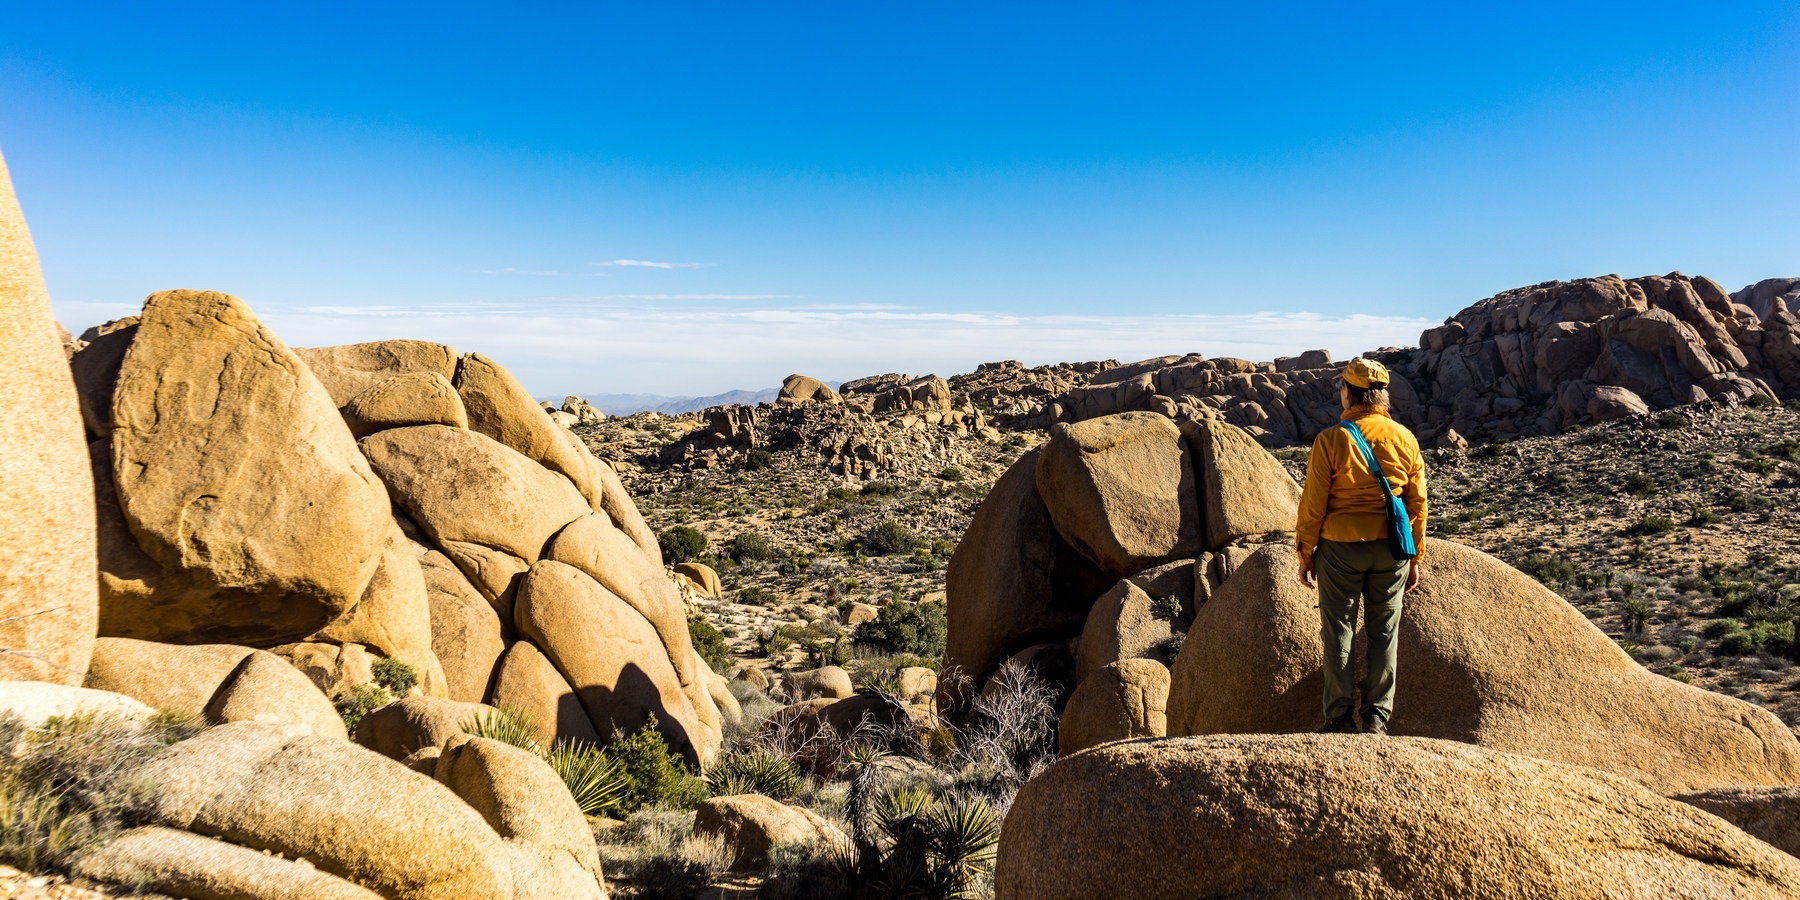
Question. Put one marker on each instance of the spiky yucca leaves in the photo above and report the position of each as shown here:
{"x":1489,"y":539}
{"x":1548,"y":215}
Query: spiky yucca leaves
{"x":860,"y":803}
{"x":508,"y":726}
{"x":964,"y":834}
{"x":596,"y":782}
{"x":756,"y":771}
{"x":894,"y":808}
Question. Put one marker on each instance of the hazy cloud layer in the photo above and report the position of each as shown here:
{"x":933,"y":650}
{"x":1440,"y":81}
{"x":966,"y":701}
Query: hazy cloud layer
{"x":649,"y":264}
{"x":558,"y":348}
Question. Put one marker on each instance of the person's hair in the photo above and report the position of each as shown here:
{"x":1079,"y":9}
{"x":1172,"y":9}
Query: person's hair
{"x":1376,"y":396}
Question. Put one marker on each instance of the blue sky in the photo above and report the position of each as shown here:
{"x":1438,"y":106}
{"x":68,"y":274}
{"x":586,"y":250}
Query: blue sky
{"x":849,"y":188}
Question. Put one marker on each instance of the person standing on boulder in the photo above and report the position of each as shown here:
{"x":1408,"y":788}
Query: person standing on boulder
{"x":1342,"y":537}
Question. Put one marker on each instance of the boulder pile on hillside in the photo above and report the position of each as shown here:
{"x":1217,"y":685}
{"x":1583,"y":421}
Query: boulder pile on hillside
{"x":1528,"y":361}
{"x":390,"y":500}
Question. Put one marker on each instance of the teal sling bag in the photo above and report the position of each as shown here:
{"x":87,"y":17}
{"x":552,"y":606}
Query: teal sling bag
{"x":1400,"y":534}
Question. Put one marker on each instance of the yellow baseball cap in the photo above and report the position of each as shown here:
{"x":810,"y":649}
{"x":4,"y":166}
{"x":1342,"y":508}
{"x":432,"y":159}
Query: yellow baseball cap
{"x":1365,"y":373}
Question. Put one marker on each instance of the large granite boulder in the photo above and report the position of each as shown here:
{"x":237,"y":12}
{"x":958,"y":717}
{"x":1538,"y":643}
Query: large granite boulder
{"x":1488,"y":656}
{"x":1122,"y":489}
{"x":751,"y":825}
{"x":1770,"y":814}
{"x":1124,"y":699}
{"x":1350,"y":816}
{"x":48,"y":598}
{"x":182,"y":864}
{"x":528,"y":682}
{"x":525,"y":801}
{"x":351,"y":369}
{"x":1245,"y":490}
{"x":238,"y":479}
{"x":220,"y":682}
{"x":1012,"y":583}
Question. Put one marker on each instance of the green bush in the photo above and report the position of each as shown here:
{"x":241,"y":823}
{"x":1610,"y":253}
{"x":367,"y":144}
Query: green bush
{"x":596,"y":781}
{"x":1640,"y":485}
{"x":653,"y":773}
{"x":709,"y":642}
{"x":755,"y":596}
{"x":359,"y":701}
{"x":508,"y":725}
{"x":758,"y":459}
{"x":1760,"y":401}
{"x":912,"y":628}
{"x":890,"y":538}
{"x":397,"y":677}
{"x":881,"y":489}
{"x":1653,"y":525}
{"x":1551,"y":571}
{"x":681,"y":544}
{"x":951,"y":473}
{"x":749,"y":547}
{"x":1672,"y":419}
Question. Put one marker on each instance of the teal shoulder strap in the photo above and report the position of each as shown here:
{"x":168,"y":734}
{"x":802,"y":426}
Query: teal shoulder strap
{"x":1368,"y":454}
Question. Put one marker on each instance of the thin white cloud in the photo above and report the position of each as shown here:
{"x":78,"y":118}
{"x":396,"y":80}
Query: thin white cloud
{"x":651,"y":264}
{"x":512,"y":271}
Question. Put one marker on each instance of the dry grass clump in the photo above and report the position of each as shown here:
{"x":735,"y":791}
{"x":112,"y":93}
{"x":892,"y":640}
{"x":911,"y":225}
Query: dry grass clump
{"x":655,"y":855}
{"x":70,"y":784}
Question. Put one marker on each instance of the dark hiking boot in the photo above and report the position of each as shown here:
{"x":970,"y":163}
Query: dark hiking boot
{"x":1375,"y":725}
{"x":1339,"y":725}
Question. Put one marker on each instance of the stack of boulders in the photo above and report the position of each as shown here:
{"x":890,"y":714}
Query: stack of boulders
{"x":233,"y":511}
{"x":584,"y":412}
{"x":1013,"y":394}
{"x":914,"y":430}
{"x":1091,"y":554}
{"x":1144,"y":567}
{"x":395,"y":499}
{"x":1529,"y":361}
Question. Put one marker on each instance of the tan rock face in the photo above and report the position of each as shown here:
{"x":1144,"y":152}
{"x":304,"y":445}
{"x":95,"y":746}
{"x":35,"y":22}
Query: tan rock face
{"x":333,"y":668}
{"x":466,"y":634}
{"x":48,"y":596}
{"x":187,"y":865}
{"x":704,"y":578}
{"x":1122,"y":490}
{"x":609,"y":654}
{"x":393,"y":617}
{"x":527,"y":681}
{"x":462,"y":486}
{"x":1247,"y":492}
{"x":751,"y":825}
{"x":1770,"y":814}
{"x":502,"y":409}
{"x":35,"y":702}
{"x":350,"y":369}
{"x":1012,"y":582}
{"x":1348,"y":816}
{"x":1487,"y":656}
{"x":593,"y":545}
{"x":96,"y":370}
{"x":826,"y":681}
{"x":237,"y":477}
{"x":403,"y":728}
{"x":1124,"y":699}
{"x":524,"y":801}
{"x":348,"y":811}
{"x":221,"y":682}
{"x":1123,"y":624}
{"x":411,"y":398}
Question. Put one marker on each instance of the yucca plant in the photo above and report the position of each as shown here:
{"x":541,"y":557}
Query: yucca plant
{"x":508,"y":726}
{"x":595,"y":781}
{"x":756,"y":771}
{"x":963,"y":834}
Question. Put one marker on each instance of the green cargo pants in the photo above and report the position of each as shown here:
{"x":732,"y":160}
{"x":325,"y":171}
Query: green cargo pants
{"x":1348,"y":573}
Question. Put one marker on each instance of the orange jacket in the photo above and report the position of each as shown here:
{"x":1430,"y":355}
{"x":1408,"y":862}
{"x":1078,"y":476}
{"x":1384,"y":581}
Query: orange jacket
{"x":1341,"y":501}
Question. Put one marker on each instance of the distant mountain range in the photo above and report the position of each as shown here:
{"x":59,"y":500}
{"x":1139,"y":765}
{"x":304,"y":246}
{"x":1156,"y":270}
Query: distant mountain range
{"x":626,"y":404}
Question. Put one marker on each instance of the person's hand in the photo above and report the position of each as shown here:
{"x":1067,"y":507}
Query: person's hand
{"x":1412,"y":575}
{"x":1307,"y":578}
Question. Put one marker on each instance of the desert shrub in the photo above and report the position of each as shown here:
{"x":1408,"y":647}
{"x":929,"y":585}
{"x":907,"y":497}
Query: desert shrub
{"x":596,"y":781}
{"x":1011,"y":730}
{"x":681,"y":544}
{"x":71,"y":784}
{"x":1702,"y":516}
{"x":889,"y":538}
{"x":841,"y":494}
{"x":1786,"y":448}
{"x":1720,"y":627}
{"x":656,"y":854}
{"x":709,"y":642}
{"x":952,"y":473}
{"x":881,"y":489}
{"x":359,"y":701}
{"x":910,"y":628}
{"x":1653,"y":525}
{"x":912,"y":843}
{"x":1673,"y":419}
{"x":1167,"y":606}
{"x":1552,"y":571}
{"x":756,"y":596}
{"x":749,"y":547}
{"x":1760,"y":401}
{"x":1743,"y":501}
{"x":1636,"y":615}
{"x":1760,"y":465}
{"x":395,"y":676}
{"x":755,"y":771}
{"x":1640,"y":485}
{"x":943,"y":548}
{"x":653,"y":773}
{"x":758,"y":459}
